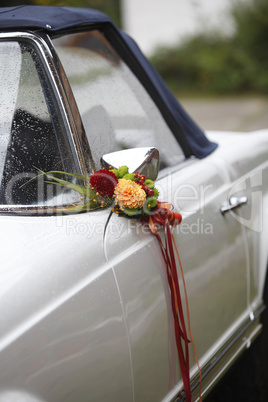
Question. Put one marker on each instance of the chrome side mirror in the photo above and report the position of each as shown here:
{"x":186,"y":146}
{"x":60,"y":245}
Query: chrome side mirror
{"x":142,"y":160}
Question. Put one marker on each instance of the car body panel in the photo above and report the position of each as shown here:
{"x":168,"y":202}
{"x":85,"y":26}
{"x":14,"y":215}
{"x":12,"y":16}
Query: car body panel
{"x":86,"y":311}
{"x":53,"y":347}
{"x":84,"y":278}
{"x":249,"y":174}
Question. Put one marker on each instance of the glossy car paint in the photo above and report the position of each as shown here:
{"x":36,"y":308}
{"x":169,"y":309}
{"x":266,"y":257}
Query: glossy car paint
{"x":101,"y":317}
{"x":101,"y":324}
{"x":72,"y":341}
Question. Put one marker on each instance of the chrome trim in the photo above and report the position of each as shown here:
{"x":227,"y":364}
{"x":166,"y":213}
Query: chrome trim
{"x":144,"y":160}
{"x":215,"y":368}
{"x":246,"y":343}
{"x":234,"y":202}
{"x":80,"y":138}
{"x":47,"y":60}
{"x":33,"y":210}
{"x":65,"y":100}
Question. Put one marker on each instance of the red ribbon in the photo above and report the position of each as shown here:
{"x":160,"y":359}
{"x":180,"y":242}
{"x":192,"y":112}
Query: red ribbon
{"x":162,"y":213}
{"x":163,"y":216}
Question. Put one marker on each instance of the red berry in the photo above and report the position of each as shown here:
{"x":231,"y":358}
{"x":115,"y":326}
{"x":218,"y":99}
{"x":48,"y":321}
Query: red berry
{"x":141,"y":182}
{"x":150,"y":192}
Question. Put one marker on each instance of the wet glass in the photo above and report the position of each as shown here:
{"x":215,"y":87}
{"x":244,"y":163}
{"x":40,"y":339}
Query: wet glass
{"x":116,"y":110}
{"x":32,"y":136}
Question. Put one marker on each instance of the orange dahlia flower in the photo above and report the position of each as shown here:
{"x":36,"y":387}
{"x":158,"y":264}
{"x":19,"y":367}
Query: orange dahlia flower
{"x":129,"y":194}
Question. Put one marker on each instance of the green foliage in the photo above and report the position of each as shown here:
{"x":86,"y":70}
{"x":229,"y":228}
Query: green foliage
{"x":252,"y":34}
{"x":149,"y":183}
{"x":215,"y":64}
{"x":150,"y":203}
{"x":115,"y":171}
{"x":132,"y":211}
{"x":129,"y":176}
{"x":122,"y":170}
{"x":156,"y":193}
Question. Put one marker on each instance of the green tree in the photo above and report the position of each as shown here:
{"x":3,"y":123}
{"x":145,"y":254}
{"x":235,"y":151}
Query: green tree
{"x":251,"y":37}
{"x":215,"y":64}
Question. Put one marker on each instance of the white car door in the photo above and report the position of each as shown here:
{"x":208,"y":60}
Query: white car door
{"x":117,"y":113}
{"x":139,"y":331}
{"x":211,"y":248}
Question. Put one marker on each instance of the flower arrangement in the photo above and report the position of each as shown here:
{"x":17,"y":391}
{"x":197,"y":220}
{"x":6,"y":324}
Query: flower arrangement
{"x":130,"y":194}
{"x":133,"y":196}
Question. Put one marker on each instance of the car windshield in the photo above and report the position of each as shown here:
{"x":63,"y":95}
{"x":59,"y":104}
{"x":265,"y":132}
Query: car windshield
{"x":31,"y":131}
{"x":116,"y":110}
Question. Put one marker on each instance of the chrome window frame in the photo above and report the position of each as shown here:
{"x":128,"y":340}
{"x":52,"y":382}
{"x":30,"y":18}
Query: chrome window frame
{"x":222,"y":360}
{"x":60,"y":85}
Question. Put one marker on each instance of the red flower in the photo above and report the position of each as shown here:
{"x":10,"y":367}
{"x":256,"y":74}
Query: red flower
{"x":104,"y":182}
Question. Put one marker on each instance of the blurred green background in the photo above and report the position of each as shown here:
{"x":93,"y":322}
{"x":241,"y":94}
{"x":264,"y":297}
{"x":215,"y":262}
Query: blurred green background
{"x":211,"y":63}
{"x":207,"y":63}
{"x":222,"y":81}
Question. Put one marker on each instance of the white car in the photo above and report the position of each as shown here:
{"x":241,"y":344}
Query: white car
{"x":86,"y":312}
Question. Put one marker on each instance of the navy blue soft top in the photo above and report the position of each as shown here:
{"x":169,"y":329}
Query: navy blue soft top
{"x":53,"y":19}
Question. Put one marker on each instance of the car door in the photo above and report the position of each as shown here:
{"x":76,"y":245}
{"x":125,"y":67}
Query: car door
{"x":212,"y":252}
{"x":63,"y":335}
{"x":102,"y":314}
{"x":248,"y":173}
{"x":117,"y":113}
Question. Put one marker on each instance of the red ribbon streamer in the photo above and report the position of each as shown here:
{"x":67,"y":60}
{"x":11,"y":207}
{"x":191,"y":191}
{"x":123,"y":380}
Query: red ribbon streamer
{"x":163,"y":216}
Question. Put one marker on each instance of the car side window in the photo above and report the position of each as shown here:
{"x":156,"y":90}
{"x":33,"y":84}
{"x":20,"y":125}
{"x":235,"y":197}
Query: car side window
{"x":31,"y":132}
{"x":116,"y":110}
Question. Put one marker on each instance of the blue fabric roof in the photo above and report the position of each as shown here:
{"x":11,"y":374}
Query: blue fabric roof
{"x":57,"y":17}
{"x":53,"y":19}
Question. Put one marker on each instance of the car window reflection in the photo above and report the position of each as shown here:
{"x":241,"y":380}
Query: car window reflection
{"x":31,"y":131}
{"x":116,"y":110}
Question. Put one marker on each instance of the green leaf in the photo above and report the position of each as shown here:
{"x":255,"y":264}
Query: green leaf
{"x":76,"y":187}
{"x":132,"y":211}
{"x":79,"y":208}
{"x":78,"y":176}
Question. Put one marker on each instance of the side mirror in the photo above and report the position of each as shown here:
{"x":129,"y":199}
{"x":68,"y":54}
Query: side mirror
{"x":142,"y":160}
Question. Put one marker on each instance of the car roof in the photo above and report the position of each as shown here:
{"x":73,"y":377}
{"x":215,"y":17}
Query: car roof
{"x":49,"y":18}
{"x":52,"y":19}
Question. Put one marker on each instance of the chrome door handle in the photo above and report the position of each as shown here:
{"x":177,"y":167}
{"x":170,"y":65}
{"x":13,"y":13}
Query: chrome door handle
{"x":234,"y":202}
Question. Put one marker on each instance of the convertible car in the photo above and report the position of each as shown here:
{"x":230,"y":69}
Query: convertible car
{"x":86,"y":307}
